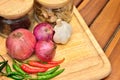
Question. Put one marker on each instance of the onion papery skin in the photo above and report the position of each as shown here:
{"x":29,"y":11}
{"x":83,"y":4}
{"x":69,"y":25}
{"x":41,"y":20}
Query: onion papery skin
{"x":20,"y":44}
{"x":43,"y":31}
{"x":45,"y":50}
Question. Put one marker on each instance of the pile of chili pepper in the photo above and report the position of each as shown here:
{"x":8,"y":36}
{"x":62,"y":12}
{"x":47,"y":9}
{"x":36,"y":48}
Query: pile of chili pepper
{"x":22,"y":71}
{"x":44,"y":71}
{"x":18,"y":73}
{"x":32,"y":66}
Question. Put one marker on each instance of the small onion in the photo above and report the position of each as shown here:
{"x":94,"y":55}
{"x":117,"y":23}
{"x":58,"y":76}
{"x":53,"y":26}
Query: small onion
{"x":20,"y":44}
{"x":43,"y":31}
{"x":45,"y":50}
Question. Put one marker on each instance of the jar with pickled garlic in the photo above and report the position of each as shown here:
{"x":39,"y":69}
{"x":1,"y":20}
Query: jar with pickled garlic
{"x":51,"y":10}
{"x":15,"y":14}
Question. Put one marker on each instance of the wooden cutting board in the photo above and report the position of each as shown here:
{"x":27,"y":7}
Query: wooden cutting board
{"x":84,"y":58}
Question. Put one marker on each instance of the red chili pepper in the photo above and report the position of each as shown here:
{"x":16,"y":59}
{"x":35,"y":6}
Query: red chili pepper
{"x":48,"y":65}
{"x":32,"y":70}
{"x":40,"y":65}
{"x":56,"y":62}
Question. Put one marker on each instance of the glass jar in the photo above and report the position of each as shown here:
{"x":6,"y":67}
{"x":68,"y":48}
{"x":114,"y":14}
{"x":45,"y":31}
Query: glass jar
{"x":15,"y":14}
{"x":51,"y":10}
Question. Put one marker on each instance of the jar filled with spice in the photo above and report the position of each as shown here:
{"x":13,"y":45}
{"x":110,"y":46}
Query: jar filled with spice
{"x":51,"y":10}
{"x":15,"y":14}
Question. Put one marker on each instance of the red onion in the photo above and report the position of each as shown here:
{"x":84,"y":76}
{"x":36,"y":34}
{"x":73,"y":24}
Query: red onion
{"x":20,"y":44}
{"x":43,"y":31}
{"x":45,"y":50}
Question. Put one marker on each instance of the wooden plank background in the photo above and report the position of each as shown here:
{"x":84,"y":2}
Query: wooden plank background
{"x":103,"y":18}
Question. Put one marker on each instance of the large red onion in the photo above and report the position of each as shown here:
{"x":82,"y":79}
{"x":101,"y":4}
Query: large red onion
{"x":43,"y":31}
{"x":20,"y":44}
{"x":45,"y":50}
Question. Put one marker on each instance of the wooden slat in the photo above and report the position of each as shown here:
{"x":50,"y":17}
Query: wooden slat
{"x":113,"y":43}
{"x":113,"y":52}
{"x":106,"y":23}
{"x":89,"y":9}
{"x":77,"y":2}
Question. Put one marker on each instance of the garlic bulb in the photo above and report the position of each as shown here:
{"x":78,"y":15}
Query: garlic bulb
{"x":63,"y":31}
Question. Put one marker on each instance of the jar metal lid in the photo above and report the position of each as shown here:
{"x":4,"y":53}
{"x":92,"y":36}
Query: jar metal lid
{"x":13,"y":9}
{"x":53,"y":3}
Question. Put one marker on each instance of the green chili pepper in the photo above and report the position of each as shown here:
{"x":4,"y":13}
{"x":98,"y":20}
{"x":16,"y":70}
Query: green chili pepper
{"x":27,"y":77}
{"x":17,"y":68}
{"x":13,"y":73}
{"x":8,"y":69}
{"x":17,"y":74}
{"x":17,"y":77}
{"x":50,"y":76}
{"x":3,"y":65}
{"x":2,"y":62}
{"x":49,"y":72}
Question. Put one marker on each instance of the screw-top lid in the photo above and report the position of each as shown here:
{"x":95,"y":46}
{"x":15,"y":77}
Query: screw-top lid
{"x":13,"y":9}
{"x":53,"y":3}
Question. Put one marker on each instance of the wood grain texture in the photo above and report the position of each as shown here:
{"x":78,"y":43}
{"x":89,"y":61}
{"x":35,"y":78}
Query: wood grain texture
{"x":107,"y":22}
{"x":84,"y":58}
{"x":77,"y":2}
{"x":14,"y":9}
{"x":113,"y":43}
{"x":113,"y":52}
{"x":90,"y":9}
{"x":103,"y":28}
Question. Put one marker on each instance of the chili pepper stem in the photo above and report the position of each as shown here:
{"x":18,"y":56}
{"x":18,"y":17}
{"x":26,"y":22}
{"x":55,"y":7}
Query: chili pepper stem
{"x":15,"y":61}
{"x":2,"y":57}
